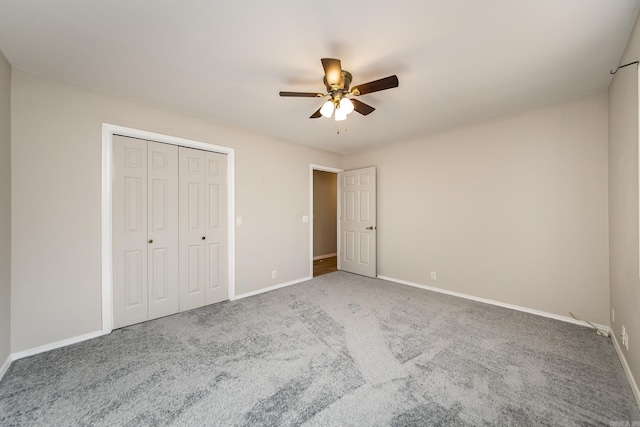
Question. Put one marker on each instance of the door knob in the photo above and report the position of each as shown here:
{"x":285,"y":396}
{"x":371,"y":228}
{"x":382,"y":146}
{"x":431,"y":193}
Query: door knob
{"x":203,"y":237}
{"x":371,"y":227}
{"x":150,"y":240}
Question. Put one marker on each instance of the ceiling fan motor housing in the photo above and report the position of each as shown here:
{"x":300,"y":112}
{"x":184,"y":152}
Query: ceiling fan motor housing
{"x":343,"y":88}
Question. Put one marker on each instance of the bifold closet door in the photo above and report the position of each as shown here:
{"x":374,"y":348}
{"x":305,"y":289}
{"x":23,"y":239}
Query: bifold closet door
{"x":192,"y":228}
{"x":129,"y":231}
{"x":217,"y":236}
{"x":203,"y":228}
{"x":145,"y":230}
{"x":170,"y":227}
{"x":162,"y":235}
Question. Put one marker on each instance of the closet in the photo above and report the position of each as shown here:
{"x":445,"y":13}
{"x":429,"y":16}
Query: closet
{"x":169,"y":229}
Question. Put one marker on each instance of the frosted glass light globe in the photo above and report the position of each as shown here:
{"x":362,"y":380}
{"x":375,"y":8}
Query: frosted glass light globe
{"x":327,"y":109}
{"x":346,"y":106}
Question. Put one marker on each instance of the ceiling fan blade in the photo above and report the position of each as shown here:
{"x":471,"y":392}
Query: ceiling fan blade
{"x":316,"y":114}
{"x":376,"y":85}
{"x":362,"y":108}
{"x":332,"y":71}
{"x":302,"y":94}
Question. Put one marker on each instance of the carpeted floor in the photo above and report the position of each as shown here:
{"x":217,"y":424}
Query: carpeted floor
{"x":339,"y":350}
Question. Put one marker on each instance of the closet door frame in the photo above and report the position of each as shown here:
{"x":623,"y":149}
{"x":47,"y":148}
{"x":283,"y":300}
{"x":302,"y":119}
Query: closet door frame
{"x":108,"y":131}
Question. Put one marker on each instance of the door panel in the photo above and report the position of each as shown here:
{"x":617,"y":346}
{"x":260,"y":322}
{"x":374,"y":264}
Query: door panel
{"x":365,"y":214}
{"x":159,"y":205}
{"x":349,"y":246}
{"x":159,"y":276}
{"x":193,"y":204}
{"x":364,"y":248}
{"x":163,"y":229}
{"x":134,"y":188}
{"x":130,"y":294}
{"x":133,"y":279}
{"x":349,"y":204}
{"x":192,"y":233}
{"x":195,"y":271}
{"x":213,"y":197}
{"x":213,"y":256}
{"x":217,"y":234}
{"x":358,"y":221}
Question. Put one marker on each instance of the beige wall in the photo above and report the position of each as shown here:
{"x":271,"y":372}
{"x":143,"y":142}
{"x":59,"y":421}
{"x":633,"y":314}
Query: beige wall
{"x":512,"y":209}
{"x":5,"y":207}
{"x":56,"y":178}
{"x":623,"y":202}
{"x":325,"y":205}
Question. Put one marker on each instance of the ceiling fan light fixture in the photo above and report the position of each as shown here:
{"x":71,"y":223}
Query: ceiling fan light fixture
{"x":327,"y":109}
{"x":338,"y":81}
{"x":346,"y":106}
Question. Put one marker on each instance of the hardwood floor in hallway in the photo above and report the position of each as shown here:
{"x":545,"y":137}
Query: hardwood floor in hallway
{"x":325,"y":265}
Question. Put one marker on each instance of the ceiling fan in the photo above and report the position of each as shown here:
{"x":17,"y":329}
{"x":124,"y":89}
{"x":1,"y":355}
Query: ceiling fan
{"x":337,"y":82}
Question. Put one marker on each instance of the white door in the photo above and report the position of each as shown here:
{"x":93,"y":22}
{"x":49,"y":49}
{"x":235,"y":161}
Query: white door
{"x":129,"y":231}
{"x":216,"y":227}
{"x":203,"y":228}
{"x":162,"y":232}
{"x":192,"y":228}
{"x":358,"y":221}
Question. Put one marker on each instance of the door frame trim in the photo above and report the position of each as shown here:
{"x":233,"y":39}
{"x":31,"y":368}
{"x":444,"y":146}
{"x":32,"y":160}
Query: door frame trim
{"x":108,"y":130}
{"x":337,"y":171}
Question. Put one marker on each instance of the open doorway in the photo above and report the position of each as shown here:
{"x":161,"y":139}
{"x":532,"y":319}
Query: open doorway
{"x":325,"y":221}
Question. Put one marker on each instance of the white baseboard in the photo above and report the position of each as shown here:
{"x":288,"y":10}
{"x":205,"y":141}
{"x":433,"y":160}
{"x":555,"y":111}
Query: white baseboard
{"x":627,"y":370}
{"x":91,"y":335}
{"x":315,"y":258}
{"x":272,"y":288}
{"x":5,"y":366}
{"x":498,"y":303}
{"x":54,"y":345}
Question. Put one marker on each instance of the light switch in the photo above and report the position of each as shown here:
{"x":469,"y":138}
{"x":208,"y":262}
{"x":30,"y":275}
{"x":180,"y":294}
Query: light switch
{"x":305,"y":218}
{"x":239,"y":220}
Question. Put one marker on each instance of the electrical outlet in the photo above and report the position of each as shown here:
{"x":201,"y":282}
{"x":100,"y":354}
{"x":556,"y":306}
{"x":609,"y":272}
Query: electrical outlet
{"x":613,"y":315}
{"x":625,"y":338}
{"x":626,"y":342}
{"x":433,"y":275}
{"x":274,"y":274}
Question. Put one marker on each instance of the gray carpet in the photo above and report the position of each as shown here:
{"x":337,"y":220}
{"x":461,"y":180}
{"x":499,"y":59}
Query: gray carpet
{"x":338,"y":350}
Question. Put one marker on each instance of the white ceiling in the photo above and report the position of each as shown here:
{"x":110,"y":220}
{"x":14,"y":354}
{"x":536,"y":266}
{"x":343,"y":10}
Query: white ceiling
{"x":458,"y":61}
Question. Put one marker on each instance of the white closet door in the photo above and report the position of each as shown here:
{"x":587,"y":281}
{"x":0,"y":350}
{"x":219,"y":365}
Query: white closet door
{"x":192,"y":228}
{"x":216,"y":232}
{"x":162,"y":229}
{"x":129,"y":231}
{"x":170,"y":235}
